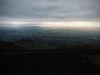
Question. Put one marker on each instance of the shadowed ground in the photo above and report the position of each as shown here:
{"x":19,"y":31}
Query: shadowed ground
{"x":51,"y":62}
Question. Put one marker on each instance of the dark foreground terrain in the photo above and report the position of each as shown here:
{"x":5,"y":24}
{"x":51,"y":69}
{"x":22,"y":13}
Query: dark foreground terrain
{"x":50,"y":62}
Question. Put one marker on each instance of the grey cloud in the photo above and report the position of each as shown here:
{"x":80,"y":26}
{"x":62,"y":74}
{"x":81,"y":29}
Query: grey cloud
{"x":50,"y":9}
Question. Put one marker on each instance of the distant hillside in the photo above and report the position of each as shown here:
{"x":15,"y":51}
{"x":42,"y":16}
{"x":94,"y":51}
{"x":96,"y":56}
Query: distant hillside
{"x":25,"y":45}
{"x":82,"y":46}
{"x":32,"y":45}
{"x":10,"y":46}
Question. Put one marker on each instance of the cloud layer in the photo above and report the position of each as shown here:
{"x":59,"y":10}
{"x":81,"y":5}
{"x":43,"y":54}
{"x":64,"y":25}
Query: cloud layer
{"x":50,"y":10}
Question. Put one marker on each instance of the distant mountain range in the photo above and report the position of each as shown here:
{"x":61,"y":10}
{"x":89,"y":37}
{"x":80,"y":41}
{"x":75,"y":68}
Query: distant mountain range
{"x":33,"y":45}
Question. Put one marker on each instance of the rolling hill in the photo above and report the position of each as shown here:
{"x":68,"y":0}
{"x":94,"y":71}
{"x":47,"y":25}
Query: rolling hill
{"x":82,"y":47}
{"x":71,"y":60}
{"x":25,"y":45}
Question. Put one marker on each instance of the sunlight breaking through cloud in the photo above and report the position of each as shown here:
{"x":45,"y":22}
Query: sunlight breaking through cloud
{"x":71,"y":24}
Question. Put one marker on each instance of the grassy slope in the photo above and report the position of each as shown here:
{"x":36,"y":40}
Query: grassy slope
{"x":31,"y":45}
{"x":25,"y":45}
{"x":10,"y":46}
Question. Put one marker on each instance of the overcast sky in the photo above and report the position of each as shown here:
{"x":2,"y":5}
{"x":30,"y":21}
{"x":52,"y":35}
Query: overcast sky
{"x":49,"y":10}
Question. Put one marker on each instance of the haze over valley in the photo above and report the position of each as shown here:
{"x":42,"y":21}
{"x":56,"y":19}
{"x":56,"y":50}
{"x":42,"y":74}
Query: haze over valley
{"x":53,"y":35}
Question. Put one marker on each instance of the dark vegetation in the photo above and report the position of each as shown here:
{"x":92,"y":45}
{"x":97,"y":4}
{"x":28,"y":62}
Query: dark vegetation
{"x":70,"y":60}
